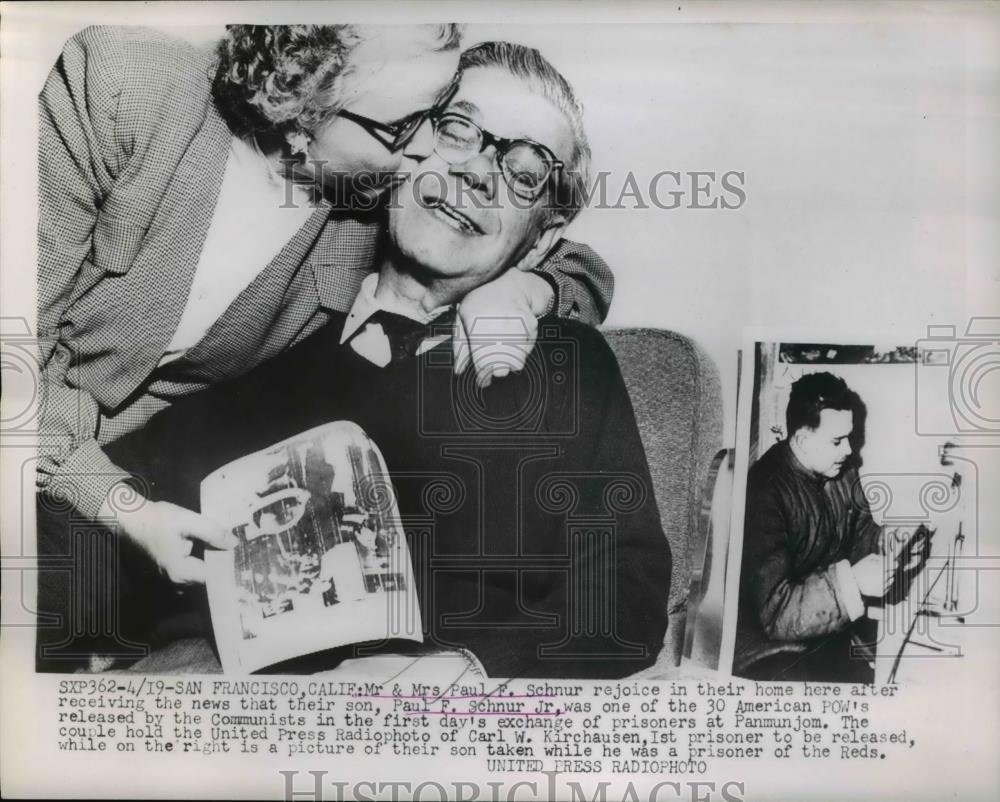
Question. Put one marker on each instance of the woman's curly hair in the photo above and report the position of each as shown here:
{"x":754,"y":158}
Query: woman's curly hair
{"x":275,"y":79}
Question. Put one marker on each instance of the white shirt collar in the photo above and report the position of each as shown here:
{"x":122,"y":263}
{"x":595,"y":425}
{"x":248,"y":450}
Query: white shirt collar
{"x":372,"y":343}
{"x":366,"y":305}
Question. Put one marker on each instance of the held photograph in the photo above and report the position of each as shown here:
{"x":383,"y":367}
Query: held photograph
{"x":321,"y":560}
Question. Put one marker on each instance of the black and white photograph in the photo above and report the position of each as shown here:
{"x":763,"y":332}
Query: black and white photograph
{"x":857,"y":530}
{"x":553,"y":400}
{"x":320,"y":559}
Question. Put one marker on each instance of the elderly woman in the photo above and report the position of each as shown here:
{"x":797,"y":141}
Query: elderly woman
{"x":199,"y":214}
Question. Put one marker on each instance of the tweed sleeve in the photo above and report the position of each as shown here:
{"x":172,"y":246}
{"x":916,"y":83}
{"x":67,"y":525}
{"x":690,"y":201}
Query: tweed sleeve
{"x":583,"y":282}
{"x":78,"y":160}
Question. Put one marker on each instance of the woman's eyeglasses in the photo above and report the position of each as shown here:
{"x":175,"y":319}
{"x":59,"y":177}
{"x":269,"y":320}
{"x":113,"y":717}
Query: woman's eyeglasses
{"x":394,"y":136}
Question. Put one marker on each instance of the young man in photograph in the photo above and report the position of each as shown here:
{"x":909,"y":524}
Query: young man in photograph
{"x":813,"y":557}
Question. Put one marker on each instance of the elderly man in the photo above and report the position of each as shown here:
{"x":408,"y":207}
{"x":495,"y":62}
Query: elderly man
{"x":546,"y":557}
{"x":812,"y":554}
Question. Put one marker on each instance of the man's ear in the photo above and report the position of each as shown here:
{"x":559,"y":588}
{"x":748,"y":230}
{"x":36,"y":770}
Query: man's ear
{"x":801,"y":436}
{"x":544,"y":243}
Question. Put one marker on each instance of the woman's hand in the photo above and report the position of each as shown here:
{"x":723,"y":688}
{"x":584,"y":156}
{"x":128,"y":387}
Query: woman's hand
{"x":497,"y":324}
{"x":167,"y":533}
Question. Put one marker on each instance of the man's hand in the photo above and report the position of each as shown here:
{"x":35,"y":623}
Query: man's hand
{"x":874,"y":575}
{"x":902,"y":543}
{"x":497,"y":324}
{"x":167,"y":533}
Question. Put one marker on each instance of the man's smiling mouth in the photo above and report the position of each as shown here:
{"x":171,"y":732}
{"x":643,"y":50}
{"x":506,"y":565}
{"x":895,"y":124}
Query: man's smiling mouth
{"x":450,"y":216}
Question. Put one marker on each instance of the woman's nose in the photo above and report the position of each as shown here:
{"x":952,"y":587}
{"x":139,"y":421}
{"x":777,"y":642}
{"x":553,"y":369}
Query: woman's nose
{"x":421,"y":145}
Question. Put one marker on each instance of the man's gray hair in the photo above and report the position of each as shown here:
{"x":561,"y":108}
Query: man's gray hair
{"x":538,"y":73}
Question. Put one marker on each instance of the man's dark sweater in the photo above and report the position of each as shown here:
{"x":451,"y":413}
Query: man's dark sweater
{"x":798,"y":527}
{"x":528,"y":506}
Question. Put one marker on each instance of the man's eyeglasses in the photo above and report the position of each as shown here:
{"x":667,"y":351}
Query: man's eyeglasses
{"x":525,"y":165}
{"x":393,"y":136}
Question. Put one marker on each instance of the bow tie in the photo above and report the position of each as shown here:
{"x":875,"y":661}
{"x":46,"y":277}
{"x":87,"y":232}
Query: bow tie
{"x":405,"y":334}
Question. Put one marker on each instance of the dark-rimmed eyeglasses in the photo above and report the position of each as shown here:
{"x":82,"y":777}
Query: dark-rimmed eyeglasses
{"x":393,"y":136}
{"x":526,"y":166}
